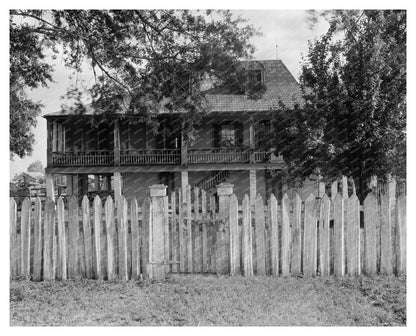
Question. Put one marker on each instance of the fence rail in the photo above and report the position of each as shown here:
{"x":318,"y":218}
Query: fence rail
{"x":124,"y":239}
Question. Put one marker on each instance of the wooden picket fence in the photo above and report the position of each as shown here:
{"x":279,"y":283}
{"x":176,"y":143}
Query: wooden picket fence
{"x":118,"y":240}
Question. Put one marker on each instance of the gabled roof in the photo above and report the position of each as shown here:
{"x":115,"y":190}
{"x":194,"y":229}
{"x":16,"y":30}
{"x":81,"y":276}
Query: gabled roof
{"x":34,"y":176}
{"x":280,"y":86}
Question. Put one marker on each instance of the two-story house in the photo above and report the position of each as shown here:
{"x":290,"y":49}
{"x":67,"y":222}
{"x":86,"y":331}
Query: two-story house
{"x":124,"y":156}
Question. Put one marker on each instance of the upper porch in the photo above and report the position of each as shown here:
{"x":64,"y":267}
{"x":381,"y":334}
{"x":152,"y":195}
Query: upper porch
{"x":82,"y":142}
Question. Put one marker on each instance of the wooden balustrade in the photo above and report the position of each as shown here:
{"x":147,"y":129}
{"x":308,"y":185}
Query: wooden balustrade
{"x":89,"y":158}
{"x":151,"y":156}
{"x":218,"y":155}
{"x":160,"y":157}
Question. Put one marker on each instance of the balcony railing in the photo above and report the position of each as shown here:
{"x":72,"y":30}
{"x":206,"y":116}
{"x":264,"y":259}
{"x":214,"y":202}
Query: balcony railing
{"x":163,"y":157}
{"x":150,"y":156}
{"x":219,"y":155}
{"x":88,"y":158}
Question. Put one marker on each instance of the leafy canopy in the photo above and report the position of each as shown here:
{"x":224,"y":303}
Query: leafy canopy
{"x":142,"y":60}
{"x":353,"y":121}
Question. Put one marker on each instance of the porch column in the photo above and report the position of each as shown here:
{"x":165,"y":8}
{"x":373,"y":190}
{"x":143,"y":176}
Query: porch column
{"x":54,"y":136}
{"x":253,"y":186}
{"x":49,"y":142}
{"x":116,"y":142}
{"x":118,"y":185}
{"x":184,"y":182}
{"x":75,"y":185}
{"x":252,"y":140}
{"x":184,"y":151}
{"x":50,"y":188}
{"x":69,"y":188}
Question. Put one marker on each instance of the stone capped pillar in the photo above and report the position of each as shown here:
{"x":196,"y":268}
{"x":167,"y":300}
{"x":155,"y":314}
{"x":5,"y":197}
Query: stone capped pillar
{"x":159,"y":239}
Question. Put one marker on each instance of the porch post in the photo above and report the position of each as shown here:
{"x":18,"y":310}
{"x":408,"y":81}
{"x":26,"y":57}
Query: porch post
{"x":49,"y":142}
{"x":184,"y":151}
{"x":50,"y":188}
{"x":116,"y":142}
{"x":118,"y":185}
{"x":75,"y":186}
{"x":54,"y":136}
{"x":184,"y":183}
{"x":252,"y":142}
{"x":69,"y":188}
{"x":253,"y":186}
{"x":159,"y":239}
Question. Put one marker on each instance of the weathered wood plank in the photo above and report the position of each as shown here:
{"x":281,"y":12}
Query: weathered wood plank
{"x":339,"y":257}
{"x":310,"y":237}
{"x":73,"y":236}
{"x":196,"y":238}
{"x":401,"y":233}
{"x":97,"y":236}
{"x":110,"y":233}
{"x":181,"y":236}
{"x":260,"y":237}
{"x":386,"y":262}
{"x":246,"y":251}
{"x":14,"y":250}
{"x":122,"y":237}
{"x":334,"y":190}
{"x":285,"y":248}
{"x":213,"y":236}
{"x":233,"y":224}
{"x":296,"y":266}
{"x":204,"y":232}
{"x":370,"y":234}
{"x":274,"y":238}
{"x":188,"y":215}
{"x":37,"y":240}
{"x":49,"y":234}
{"x":25,"y":221}
{"x":353,"y":235}
{"x":324,"y":212}
{"x":344,"y":182}
{"x":61,"y":246}
{"x":174,"y":229}
{"x":86,"y":228}
{"x":135,"y":239}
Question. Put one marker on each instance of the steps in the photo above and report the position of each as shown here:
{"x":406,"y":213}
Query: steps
{"x":212,"y":180}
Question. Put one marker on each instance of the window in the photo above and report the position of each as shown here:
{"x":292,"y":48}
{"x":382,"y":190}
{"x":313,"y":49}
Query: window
{"x":227,"y":135}
{"x":255,"y":77}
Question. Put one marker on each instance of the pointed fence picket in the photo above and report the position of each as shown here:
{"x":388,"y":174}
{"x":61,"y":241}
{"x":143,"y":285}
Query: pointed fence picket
{"x":200,"y":234}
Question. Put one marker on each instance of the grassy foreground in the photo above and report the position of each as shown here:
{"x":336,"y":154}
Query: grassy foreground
{"x":208,"y":300}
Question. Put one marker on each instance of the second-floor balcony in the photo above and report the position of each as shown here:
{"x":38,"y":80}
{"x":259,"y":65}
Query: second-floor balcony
{"x":136,"y":157}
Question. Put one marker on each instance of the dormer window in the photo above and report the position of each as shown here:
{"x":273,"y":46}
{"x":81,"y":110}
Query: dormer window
{"x":254,"y":86}
{"x":255,"y":77}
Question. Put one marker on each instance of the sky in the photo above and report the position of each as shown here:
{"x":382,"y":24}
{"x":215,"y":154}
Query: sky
{"x":287,"y":28}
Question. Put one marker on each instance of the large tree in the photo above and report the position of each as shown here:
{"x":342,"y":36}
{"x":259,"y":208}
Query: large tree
{"x":142,"y":60}
{"x":353,"y":119}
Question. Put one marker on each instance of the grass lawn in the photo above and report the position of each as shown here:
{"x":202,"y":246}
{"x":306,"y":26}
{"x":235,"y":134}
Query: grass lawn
{"x":209,"y":300}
